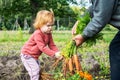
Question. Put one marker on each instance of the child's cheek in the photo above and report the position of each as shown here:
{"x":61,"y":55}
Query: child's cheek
{"x":44,"y":29}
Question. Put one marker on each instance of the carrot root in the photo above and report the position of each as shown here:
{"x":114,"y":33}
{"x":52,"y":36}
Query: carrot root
{"x":65,"y":65}
{"x":77,"y":63}
{"x":70,"y":64}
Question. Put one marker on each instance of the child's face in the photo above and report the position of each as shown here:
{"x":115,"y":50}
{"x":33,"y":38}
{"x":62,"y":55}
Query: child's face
{"x":47,"y":28}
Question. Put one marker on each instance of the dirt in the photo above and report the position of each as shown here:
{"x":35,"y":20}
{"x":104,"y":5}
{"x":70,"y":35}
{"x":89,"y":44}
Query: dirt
{"x":11,"y":67}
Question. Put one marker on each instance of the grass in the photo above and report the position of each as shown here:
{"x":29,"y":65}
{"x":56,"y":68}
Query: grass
{"x":59,"y":36}
{"x":14,"y":36}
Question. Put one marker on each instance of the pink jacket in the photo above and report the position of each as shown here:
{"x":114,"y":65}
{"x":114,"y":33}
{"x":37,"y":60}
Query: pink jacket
{"x":38,"y":43}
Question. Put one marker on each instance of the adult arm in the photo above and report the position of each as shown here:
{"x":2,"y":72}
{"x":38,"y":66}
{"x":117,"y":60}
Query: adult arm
{"x":102,"y":12}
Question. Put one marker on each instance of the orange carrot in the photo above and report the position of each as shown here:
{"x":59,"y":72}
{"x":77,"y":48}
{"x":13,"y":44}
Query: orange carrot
{"x":65,"y":65}
{"x":56,"y":63}
{"x":85,"y":75}
{"x":81,"y":74}
{"x":73,"y":61}
{"x":77,"y":63}
{"x":70,"y":64}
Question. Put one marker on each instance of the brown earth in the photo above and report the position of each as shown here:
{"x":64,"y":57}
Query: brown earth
{"x":11,"y":67}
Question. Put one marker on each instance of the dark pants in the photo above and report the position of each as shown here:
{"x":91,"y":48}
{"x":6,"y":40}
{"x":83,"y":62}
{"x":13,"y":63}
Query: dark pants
{"x":114,"y":50}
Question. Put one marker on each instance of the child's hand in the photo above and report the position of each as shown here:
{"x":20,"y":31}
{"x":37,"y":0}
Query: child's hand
{"x":58,"y":58}
{"x":58,"y":55}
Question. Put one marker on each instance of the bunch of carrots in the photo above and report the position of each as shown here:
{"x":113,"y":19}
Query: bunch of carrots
{"x":71,"y":59}
{"x":71,"y":63}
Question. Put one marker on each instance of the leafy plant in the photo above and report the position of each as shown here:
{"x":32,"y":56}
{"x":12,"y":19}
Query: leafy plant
{"x":82,"y":23}
{"x":74,"y":77}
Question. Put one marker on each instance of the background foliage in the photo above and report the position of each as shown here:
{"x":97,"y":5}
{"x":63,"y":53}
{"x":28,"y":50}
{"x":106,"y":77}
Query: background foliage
{"x":10,"y":10}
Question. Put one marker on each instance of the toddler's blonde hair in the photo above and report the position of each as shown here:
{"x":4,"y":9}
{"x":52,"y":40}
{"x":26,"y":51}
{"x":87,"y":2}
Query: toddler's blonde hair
{"x":43,"y":17}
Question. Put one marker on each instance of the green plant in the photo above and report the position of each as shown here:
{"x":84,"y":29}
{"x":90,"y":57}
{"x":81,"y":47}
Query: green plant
{"x":82,"y":23}
{"x":74,"y":77}
{"x":20,"y":34}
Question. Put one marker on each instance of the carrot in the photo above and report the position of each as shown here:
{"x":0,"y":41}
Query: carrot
{"x":65,"y":65}
{"x":73,"y":61}
{"x":77,"y":63}
{"x":70,"y":64}
{"x":85,"y":75}
{"x":56,"y":63}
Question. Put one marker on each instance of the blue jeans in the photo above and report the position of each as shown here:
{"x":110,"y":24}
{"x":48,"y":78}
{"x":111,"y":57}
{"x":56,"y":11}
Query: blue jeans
{"x":114,"y":51}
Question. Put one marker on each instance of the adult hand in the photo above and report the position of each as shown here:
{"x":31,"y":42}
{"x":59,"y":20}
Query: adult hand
{"x":78,"y":39}
{"x":74,"y":28}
